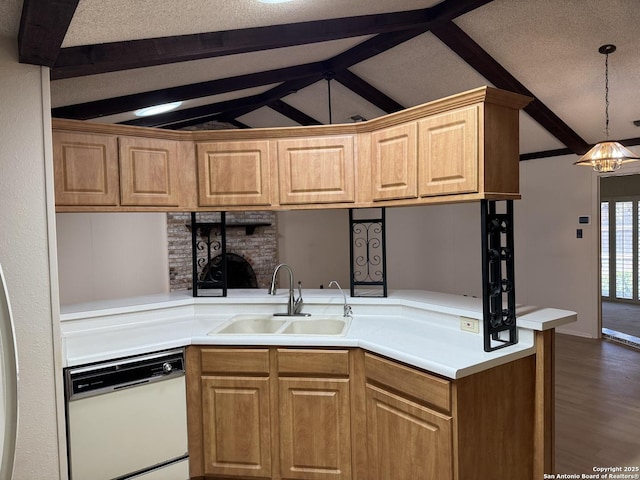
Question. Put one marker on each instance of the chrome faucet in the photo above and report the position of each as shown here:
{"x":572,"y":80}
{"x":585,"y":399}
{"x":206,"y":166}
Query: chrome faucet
{"x":293,"y":305}
{"x":347,"y":312}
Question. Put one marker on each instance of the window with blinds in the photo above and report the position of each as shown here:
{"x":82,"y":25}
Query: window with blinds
{"x":619,"y":259}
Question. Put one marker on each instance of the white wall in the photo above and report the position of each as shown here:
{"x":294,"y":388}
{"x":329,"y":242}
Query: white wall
{"x":315,"y":243}
{"x":438,"y":247}
{"x":553,"y":267}
{"x":25,"y":157}
{"x":435,"y":248}
{"x":111,"y":255}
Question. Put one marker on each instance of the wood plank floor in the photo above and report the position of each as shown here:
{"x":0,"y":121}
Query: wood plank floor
{"x":597,"y":405}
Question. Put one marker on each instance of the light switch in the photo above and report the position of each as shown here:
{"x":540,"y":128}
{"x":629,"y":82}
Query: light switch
{"x":579,"y":233}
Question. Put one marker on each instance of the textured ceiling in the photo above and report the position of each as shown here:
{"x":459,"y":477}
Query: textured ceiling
{"x":97,"y":21}
{"x":549,"y":46}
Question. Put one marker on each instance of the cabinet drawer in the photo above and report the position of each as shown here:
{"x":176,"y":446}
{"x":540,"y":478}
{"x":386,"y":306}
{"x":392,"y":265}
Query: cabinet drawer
{"x":419,"y":385}
{"x":235,"y":360}
{"x":317,"y":362}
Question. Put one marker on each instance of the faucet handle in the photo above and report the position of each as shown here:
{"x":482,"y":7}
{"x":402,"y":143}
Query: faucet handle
{"x":299,"y":303}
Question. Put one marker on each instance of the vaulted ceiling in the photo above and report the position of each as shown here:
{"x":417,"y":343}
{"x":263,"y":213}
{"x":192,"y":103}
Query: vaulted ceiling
{"x":305,"y":62}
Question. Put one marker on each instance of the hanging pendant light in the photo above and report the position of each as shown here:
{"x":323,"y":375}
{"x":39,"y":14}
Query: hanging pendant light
{"x":607,"y":156}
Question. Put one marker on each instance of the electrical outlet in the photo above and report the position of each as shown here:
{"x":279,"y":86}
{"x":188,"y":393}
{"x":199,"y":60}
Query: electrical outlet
{"x":470,"y":324}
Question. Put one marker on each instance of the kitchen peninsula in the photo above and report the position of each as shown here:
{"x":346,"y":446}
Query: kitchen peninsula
{"x":407,"y":348}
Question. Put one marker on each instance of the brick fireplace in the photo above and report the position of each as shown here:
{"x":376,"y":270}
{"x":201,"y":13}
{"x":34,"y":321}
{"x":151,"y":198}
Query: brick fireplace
{"x":258,"y":248}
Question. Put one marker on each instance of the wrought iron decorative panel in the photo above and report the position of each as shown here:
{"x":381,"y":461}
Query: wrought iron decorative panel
{"x":368,"y":254}
{"x":209,"y":253}
{"x":498,"y":278}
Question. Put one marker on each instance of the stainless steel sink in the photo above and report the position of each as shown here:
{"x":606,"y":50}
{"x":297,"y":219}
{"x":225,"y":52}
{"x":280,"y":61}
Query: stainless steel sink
{"x":273,"y":325}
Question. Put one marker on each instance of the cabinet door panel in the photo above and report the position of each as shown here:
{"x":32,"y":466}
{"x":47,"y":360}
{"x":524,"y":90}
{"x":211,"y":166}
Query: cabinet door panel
{"x":316,"y":170}
{"x":406,"y":441}
{"x":395,"y":162}
{"x":85,"y":169}
{"x":149,"y":172}
{"x":236,"y":426}
{"x":448,"y":160}
{"x":234,"y":173}
{"x":315,"y":429}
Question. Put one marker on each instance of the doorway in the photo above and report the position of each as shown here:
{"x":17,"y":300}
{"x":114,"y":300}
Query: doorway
{"x":620,"y":257}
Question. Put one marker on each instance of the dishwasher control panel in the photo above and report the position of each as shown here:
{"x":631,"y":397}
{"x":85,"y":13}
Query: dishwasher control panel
{"x":127,"y":372}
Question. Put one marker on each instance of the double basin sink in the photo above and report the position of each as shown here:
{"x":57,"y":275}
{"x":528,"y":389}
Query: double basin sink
{"x":283,"y":325}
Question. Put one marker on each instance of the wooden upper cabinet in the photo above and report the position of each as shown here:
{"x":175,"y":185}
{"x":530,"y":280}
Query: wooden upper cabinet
{"x":316,"y":170}
{"x":149,"y":172}
{"x":449,"y":152}
{"x":457,"y":149}
{"x":234,"y":173}
{"x":394,"y":154}
{"x":85,"y":169}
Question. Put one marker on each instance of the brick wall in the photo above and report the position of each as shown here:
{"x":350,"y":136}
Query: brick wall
{"x":259,"y":249}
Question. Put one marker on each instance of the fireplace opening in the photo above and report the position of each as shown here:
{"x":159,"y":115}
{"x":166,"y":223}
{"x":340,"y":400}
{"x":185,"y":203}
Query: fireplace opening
{"x":240,"y":274}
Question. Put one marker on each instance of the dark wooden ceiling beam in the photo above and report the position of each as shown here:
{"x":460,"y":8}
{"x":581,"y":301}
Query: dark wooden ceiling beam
{"x":238,"y":124}
{"x":43,"y":26}
{"x":472,"y":53}
{"x":115,"y":56}
{"x":230,"y":109}
{"x":85,"y":111}
{"x":128,"y":103}
{"x":628,"y":142}
{"x":109,"y":57}
{"x":293,"y":113}
{"x":367,"y":91}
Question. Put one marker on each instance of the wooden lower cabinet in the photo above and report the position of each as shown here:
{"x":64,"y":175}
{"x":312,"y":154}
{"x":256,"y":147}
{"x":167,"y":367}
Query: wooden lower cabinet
{"x":316,"y":414}
{"x":236,"y":426}
{"x":315,"y":434}
{"x":406,"y":441}
{"x":269,"y":413}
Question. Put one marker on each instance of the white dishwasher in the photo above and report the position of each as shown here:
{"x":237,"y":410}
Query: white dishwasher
{"x":127,"y":419}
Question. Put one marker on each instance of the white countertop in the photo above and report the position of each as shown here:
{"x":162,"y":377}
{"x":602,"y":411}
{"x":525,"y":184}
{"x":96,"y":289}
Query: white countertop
{"x":416,"y":327}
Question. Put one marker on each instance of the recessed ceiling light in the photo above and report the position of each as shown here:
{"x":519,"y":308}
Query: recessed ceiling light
{"x":156,"y":109}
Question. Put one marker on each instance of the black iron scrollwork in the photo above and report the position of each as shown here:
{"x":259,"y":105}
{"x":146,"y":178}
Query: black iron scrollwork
{"x":368,"y":253}
{"x":209,"y":251}
{"x":498,"y":272}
